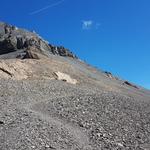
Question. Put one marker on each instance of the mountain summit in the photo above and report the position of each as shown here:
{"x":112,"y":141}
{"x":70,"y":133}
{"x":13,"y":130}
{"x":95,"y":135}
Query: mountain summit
{"x":23,"y":42}
{"x":51,"y":100}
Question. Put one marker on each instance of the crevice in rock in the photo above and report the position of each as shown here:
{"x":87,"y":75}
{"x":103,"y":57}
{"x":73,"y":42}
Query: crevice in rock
{"x":5,"y":71}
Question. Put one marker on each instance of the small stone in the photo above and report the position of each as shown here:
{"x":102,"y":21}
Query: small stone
{"x":32,"y":146}
{"x":47,"y":146}
{"x":1,"y":122}
{"x":119,"y":144}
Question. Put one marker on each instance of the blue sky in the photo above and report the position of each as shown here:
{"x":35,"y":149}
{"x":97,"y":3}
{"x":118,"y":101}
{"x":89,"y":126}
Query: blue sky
{"x":113,"y":35}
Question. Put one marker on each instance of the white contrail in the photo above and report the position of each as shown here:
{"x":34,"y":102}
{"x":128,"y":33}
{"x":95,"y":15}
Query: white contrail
{"x":46,"y":7}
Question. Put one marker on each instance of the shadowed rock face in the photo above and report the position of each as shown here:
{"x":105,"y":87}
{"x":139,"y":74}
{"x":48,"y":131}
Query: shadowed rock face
{"x":13,"y":39}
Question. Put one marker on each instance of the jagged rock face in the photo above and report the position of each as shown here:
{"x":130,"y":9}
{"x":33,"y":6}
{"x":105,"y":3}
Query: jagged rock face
{"x":13,"y":39}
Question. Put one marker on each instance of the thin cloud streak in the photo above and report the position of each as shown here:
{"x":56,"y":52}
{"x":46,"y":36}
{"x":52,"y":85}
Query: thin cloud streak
{"x":47,"y":7}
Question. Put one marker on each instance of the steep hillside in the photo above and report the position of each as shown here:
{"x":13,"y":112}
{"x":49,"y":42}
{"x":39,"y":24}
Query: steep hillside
{"x":51,"y":100}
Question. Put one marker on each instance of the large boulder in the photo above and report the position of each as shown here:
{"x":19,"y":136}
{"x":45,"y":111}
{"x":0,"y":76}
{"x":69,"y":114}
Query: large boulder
{"x":8,"y":45}
{"x":64,"y":77}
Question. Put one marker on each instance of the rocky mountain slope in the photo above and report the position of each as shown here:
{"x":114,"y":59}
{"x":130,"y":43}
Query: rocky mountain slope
{"x":13,"y":39}
{"x":51,"y":100}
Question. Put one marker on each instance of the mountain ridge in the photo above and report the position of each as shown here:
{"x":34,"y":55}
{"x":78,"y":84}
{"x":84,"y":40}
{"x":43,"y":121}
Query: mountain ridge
{"x":13,"y":39}
{"x":24,"y":44}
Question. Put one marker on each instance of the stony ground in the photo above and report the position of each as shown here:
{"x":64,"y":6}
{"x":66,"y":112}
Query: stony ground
{"x":48,"y":114}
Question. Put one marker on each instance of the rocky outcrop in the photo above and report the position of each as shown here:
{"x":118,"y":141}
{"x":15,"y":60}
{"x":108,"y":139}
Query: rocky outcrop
{"x":110,"y":75}
{"x":13,"y":39}
{"x":60,"y":50}
{"x":129,"y":84}
{"x":126,"y":83}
